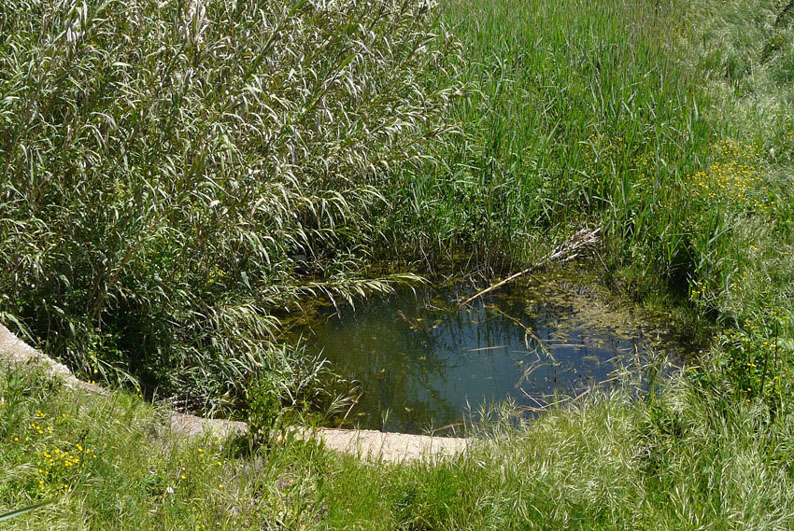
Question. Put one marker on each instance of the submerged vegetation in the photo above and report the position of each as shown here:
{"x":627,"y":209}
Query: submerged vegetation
{"x":177,"y":177}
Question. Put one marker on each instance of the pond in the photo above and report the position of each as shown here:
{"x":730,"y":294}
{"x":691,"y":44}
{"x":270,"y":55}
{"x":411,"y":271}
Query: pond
{"x":423,"y":362}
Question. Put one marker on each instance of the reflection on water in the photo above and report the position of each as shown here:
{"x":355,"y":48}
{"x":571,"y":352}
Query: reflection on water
{"x":423,"y":362}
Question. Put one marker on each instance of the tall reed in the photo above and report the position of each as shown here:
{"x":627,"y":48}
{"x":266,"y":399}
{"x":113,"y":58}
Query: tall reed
{"x":175,"y":174}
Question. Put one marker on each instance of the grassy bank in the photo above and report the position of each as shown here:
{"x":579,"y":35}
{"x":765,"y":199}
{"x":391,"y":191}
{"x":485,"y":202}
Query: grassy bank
{"x":171,"y":190}
{"x":689,"y":458}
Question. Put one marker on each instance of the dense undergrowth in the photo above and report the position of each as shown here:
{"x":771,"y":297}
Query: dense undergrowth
{"x":177,"y":175}
{"x":174,"y":175}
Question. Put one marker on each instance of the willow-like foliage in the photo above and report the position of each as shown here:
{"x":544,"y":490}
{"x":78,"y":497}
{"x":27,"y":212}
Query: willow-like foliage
{"x":173,"y":174}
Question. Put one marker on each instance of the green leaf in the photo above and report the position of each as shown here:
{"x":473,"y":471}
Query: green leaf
{"x":20,"y":512}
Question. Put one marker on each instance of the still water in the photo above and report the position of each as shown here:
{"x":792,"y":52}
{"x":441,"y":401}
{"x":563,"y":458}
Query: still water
{"x":422,"y":361}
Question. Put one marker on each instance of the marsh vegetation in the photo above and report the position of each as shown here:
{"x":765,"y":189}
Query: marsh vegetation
{"x":179,"y":179}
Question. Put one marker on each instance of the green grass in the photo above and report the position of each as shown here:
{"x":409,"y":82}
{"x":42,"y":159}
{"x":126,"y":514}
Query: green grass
{"x":170,"y":194}
{"x":689,"y":458}
{"x":576,"y":113}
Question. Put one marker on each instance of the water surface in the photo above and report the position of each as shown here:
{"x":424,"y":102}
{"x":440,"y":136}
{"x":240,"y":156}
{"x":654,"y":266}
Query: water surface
{"x":423,"y":362}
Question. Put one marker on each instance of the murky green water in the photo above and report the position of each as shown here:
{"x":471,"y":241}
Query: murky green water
{"x":423,"y":362}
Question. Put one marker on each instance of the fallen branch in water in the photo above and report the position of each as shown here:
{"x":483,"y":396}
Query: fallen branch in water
{"x":570,"y":249}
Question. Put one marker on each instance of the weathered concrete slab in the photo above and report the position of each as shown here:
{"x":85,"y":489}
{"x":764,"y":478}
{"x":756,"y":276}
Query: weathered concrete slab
{"x":15,"y":351}
{"x":390,"y":447}
{"x":190,"y":425}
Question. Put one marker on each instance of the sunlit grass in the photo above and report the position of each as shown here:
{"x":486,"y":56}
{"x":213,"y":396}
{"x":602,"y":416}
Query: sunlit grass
{"x":576,"y":113}
{"x":176,"y":177}
{"x":688,"y":456}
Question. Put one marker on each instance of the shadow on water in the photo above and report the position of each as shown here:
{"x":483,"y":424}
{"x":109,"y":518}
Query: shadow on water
{"x":423,"y":362}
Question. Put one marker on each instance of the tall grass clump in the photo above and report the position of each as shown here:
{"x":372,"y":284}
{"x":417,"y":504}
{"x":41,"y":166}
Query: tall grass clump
{"x":579,"y":113}
{"x":175,"y":175}
{"x":743,"y":195}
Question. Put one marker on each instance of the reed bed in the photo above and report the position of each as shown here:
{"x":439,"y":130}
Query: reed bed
{"x":176,"y":176}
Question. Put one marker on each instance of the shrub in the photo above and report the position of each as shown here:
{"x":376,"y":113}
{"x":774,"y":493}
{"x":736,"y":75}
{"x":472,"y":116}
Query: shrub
{"x":174,"y":174}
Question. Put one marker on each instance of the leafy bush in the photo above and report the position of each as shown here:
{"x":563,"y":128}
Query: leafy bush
{"x":174,"y":173}
{"x":288,"y":383}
